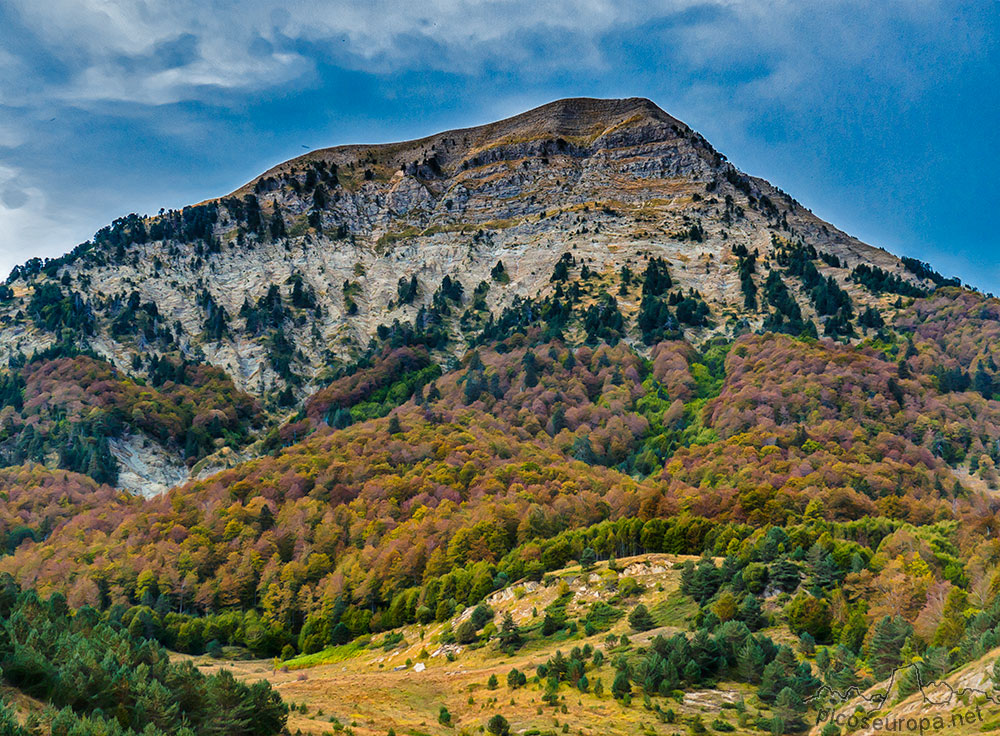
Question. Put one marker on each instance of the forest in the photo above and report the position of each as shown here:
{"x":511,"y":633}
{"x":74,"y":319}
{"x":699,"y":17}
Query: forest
{"x":832,"y":471}
{"x":402,"y":492}
{"x":92,"y":673}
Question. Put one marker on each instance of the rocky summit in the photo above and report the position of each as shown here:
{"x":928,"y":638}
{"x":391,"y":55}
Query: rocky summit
{"x":330,"y":237}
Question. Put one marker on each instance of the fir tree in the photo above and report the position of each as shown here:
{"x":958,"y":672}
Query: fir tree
{"x":886,"y":641}
{"x":621,"y":685}
{"x":640,"y":618}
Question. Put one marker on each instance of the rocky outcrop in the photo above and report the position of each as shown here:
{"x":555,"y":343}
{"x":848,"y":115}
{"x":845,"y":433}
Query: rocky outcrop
{"x":144,"y":467}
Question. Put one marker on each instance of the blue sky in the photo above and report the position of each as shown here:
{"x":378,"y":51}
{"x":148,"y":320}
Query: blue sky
{"x":882,"y":117}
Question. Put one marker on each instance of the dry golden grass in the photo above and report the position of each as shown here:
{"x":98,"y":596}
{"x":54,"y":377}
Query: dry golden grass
{"x":368,"y":694}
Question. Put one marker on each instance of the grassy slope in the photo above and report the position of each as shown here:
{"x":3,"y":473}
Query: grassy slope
{"x":362,"y":688}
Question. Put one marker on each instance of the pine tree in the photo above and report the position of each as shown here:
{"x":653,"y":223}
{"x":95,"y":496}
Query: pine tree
{"x":705,"y":652}
{"x":670,"y":680}
{"x":498,"y":726}
{"x":778,"y":674}
{"x":751,"y":613}
{"x":885,"y":644}
{"x":852,"y":635}
{"x":692,"y":672}
{"x":510,"y":634}
{"x":807,"y":644}
{"x":825,"y":572}
{"x":750,"y":661}
{"x":640,"y":618}
{"x":952,"y":625}
{"x":785,"y":574}
{"x":772,"y":681}
{"x":804,"y":681}
{"x":789,"y":707}
{"x":516,"y":679}
{"x":232,"y":714}
{"x":621,"y":685}
{"x":841,"y":674}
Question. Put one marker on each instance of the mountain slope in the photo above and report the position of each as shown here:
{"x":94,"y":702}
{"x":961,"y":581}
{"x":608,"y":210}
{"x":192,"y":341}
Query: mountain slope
{"x":299,"y":267}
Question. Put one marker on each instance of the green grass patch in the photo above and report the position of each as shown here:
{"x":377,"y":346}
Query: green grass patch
{"x":674,"y":610}
{"x":329,"y":655}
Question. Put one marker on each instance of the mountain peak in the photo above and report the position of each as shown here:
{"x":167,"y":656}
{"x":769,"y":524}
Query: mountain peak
{"x":580,"y":120}
{"x":581,"y":116}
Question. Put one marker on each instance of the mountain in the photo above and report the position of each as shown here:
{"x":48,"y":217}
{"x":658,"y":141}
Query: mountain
{"x":607,"y":183}
{"x":379,"y":387}
{"x":287,"y":281}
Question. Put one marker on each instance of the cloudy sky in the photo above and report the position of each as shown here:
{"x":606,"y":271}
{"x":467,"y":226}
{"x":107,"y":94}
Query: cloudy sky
{"x":880,"y":116}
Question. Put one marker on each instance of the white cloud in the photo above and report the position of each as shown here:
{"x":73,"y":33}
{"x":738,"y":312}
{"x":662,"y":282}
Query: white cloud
{"x":29,"y":225}
{"x":11,"y":135}
{"x":106,"y":81}
{"x":122,"y":48}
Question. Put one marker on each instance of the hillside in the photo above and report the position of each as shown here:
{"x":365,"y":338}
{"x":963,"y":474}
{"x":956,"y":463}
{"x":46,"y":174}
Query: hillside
{"x":374,"y":688}
{"x":77,"y":672}
{"x":381,"y":388}
{"x":406,"y":678}
{"x":964,"y":702}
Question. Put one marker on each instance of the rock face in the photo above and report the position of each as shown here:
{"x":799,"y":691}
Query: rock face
{"x":146,"y":468}
{"x":612,"y":183}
